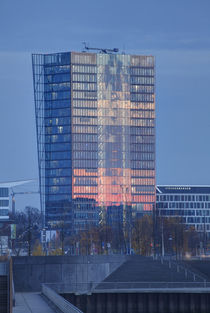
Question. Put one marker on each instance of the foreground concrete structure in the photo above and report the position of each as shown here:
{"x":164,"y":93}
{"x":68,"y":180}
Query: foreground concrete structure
{"x":31,"y":302}
{"x":31,"y":272}
{"x":114,"y":284}
{"x":182,"y":301}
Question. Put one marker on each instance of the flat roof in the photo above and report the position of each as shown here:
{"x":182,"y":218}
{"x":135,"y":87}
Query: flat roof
{"x":183,"y":189}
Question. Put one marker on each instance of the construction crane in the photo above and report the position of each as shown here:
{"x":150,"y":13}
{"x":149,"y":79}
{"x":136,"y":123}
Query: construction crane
{"x":13,"y":193}
{"x":102,"y":50}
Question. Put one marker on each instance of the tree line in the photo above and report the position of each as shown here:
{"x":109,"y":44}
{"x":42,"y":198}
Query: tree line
{"x":147,"y":235}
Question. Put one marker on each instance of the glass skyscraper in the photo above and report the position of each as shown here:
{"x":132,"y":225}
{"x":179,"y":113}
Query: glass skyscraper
{"x":95,"y":117}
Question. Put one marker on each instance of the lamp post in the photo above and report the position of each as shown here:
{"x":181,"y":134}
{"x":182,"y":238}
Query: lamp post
{"x":127,"y":218}
{"x":204,"y":232}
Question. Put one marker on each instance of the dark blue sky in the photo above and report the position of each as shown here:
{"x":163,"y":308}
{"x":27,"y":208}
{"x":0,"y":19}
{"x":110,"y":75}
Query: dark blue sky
{"x":177,"y":33}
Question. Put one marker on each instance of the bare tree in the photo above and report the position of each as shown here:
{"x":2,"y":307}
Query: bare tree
{"x":28,"y":226}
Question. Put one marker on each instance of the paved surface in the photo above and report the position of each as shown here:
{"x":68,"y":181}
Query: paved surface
{"x":30,"y":302}
{"x":202,"y":267}
{"x":144,"y":269}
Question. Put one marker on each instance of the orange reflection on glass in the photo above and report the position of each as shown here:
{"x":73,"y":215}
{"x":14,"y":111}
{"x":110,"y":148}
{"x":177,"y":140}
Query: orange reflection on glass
{"x":148,"y":206}
{"x":114,"y":186}
{"x":143,"y":173}
{"x":143,"y":198}
{"x":83,"y":172}
{"x":85,"y":196}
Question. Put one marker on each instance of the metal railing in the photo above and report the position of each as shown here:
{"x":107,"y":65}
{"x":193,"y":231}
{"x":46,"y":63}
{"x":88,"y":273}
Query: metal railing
{"x":58,"y":301}
{"x":181,"y":267}
{"x":151,"y":285}
{"x":88,"y":288}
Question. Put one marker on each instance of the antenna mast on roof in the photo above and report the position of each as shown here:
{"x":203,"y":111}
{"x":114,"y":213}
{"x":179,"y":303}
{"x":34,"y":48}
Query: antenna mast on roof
{"x":102,"y":50}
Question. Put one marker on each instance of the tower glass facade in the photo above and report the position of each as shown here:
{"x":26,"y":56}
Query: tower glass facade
{"x":95,"y":117}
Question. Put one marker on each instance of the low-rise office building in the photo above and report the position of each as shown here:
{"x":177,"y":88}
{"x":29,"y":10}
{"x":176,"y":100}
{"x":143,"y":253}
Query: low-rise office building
{"x":191,"y":203}
{"x":4,"y":203}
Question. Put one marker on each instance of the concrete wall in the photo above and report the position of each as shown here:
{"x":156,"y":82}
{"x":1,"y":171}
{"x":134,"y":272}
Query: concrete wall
{"x":31,"y":272}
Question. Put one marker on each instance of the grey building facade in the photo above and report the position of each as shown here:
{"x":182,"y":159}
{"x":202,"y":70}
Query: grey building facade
{"x":191,"y":203}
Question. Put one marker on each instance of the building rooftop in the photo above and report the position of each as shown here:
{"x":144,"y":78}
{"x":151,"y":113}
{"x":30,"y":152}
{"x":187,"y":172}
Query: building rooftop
{"x":183,"y":189}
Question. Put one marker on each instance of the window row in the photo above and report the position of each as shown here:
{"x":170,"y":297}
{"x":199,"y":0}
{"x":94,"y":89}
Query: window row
{"x":142,"y":147}
{"x":116,"y":71}
{"x":142,"y":156}
{"x":84,"y":95}
{"x":57,"y":112}
{"x":143,"y":122}
{"x":145,"y":189}
{"x":183,"y":197}
{"x":85,"y":86}
{"x":85,"y":181}
{"x":87,"y":146}
{"x":84,"y":69}
{"x":85,"y":120}
{"x":86,"y":205}
{"x":60,"y":155}
{"x":62,"y":197}
{"x":4,"y":192}
{"x":4,"y":212}
{"x":57,"y":121}
{"x":85,"y":172}
{"x":57,"y":78}
{"x":142,"y":173}
{"x":122,"y":60}
{"x":85,"y":189}
{"x":142,"y":139}
{"x":57,"y":189}
{"x":143,"y":181}
{"x":83,"y":224}
{"x":49,"y":130}
{"x":85,"y":112}
{"x":202,"y":219}
{"x":195,"y":205}
{"x":142,"y":97}
{"x":85,"y":155}
{"x":117,"y":112}
{"x":143,"y":199}
{"x":142,"y":165}
{"x":142,"y":131}
{"x":85,"y":138}
{"x":58,"y":172}
{"x":142,"y":89}
{"x":85,"y":104}
{"x":66,"y":146}
{"x":142,"y":114}
{"x":114,"y":103}
{"x":142,"y":80}
{"x":59,"y":95}
{"x":57,"y":87}
{"x":57,"y":164}
{"x":142,"y":60}
{"x":58,"y":181}
{"x":142,"y":189}
{"x":85,"y":163}
{"x":142,"y":105}
{"x":114,"y":96}
{"x":139,"y":71}
{"x":81,"y":58}
{"x":85,"y":129}
{"x":91,"y":78}
{"x":57,"y":69}
{"x":86,"y":216}
{"x":57,"y":58}
{"x":54,"y":104}
{"x":57,"y":138}
{"x":4,"y":203}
